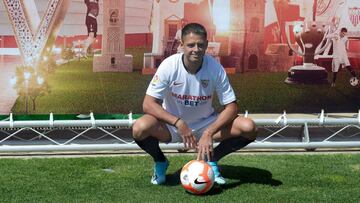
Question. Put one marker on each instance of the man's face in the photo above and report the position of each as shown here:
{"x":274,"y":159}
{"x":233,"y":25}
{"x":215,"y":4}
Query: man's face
{"x":194,"y":47}
{"x":342,"y":34}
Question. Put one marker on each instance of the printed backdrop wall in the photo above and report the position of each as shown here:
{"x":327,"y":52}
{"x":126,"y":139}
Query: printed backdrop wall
{"x":248,"y":37}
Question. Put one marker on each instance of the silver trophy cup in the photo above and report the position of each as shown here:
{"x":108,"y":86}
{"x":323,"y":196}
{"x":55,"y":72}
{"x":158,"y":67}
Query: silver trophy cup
{"x":310,"y":36}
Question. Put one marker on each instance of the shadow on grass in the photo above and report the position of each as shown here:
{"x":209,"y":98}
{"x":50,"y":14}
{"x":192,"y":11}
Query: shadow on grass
{"x":236,"y":175}
{"x":247,"y":175}
{"x":173,"y":179}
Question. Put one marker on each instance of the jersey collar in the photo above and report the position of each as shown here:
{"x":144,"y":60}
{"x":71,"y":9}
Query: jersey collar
{"x":182,"y":60}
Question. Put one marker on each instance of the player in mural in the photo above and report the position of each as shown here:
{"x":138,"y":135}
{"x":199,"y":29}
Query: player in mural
{"x":91,"y":22}
{"x":177,"y":40}
{"x":178,"y":107}
{"x":175,"y":46}
{"x":340,"y":57}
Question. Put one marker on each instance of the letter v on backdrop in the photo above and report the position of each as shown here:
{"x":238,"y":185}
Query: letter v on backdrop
{"x":32,"y":33}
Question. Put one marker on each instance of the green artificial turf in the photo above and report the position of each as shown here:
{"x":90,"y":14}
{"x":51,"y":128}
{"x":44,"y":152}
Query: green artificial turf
{"x":250,"y":178}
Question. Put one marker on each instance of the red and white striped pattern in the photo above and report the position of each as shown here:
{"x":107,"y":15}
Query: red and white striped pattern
{"x":354,"y":15}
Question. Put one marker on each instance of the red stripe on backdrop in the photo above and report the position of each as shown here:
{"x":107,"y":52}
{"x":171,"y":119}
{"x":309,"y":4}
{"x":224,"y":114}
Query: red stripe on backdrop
{"x":138,"y":40}
{"x":131,"y":40}
{"x":9,"y":42}
{"x":354,"y":50}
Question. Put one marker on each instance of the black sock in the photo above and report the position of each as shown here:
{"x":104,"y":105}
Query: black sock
{"x":334,"y":76}
{"x":151,"y":146}
{"x":228,"y":146}
{"x":351,"y":71}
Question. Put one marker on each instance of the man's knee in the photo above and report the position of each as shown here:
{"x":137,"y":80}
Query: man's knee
{"x":140,"y":130}
{"x":248,"y":128}
{"x":247,"y":125}
{"x":147,"y":126}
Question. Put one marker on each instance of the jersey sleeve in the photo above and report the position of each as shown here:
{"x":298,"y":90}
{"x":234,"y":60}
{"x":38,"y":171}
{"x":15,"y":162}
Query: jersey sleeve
{"x":224,"y":89}
{"x":159,"y":84}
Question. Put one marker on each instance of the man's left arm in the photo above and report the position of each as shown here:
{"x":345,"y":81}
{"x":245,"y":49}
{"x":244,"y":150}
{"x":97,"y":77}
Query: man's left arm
{"x":205,"y":145}
{"x":227,"y":115}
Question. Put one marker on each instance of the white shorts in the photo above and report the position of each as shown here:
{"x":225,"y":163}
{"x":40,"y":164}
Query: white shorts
{"x":198,"y":128}
{"x":337,"y":62}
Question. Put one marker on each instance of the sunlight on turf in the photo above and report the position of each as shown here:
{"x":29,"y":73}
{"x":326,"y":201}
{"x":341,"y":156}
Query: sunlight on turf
{"x":355,"y":167}
{"x":334,"y":178}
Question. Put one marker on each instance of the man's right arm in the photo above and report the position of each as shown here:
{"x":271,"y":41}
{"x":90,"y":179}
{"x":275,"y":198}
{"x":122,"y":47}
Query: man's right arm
{"x":152,"y":106}
{"x":332,"y":36}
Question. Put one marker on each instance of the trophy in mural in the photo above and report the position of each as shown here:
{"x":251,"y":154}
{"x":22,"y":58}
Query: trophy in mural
{"x":310,"y":36}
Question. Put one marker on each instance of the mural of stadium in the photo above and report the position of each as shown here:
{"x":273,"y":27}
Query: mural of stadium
{"x":54,"y":59}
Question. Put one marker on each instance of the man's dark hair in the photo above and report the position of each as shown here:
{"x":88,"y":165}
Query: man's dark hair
{"x":343,"y":29}
{"x":195,"y":28}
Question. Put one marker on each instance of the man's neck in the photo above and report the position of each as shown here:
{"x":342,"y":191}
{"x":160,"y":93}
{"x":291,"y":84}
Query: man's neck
{"x":192,"y":68}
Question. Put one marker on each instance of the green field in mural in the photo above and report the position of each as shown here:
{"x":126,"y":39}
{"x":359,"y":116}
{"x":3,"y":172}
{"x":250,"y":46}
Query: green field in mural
{"x":75,"y":88}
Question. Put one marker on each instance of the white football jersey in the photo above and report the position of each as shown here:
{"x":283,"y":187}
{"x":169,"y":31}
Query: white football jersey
{"x":189,"y":96}
{"x":339,"y":46}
